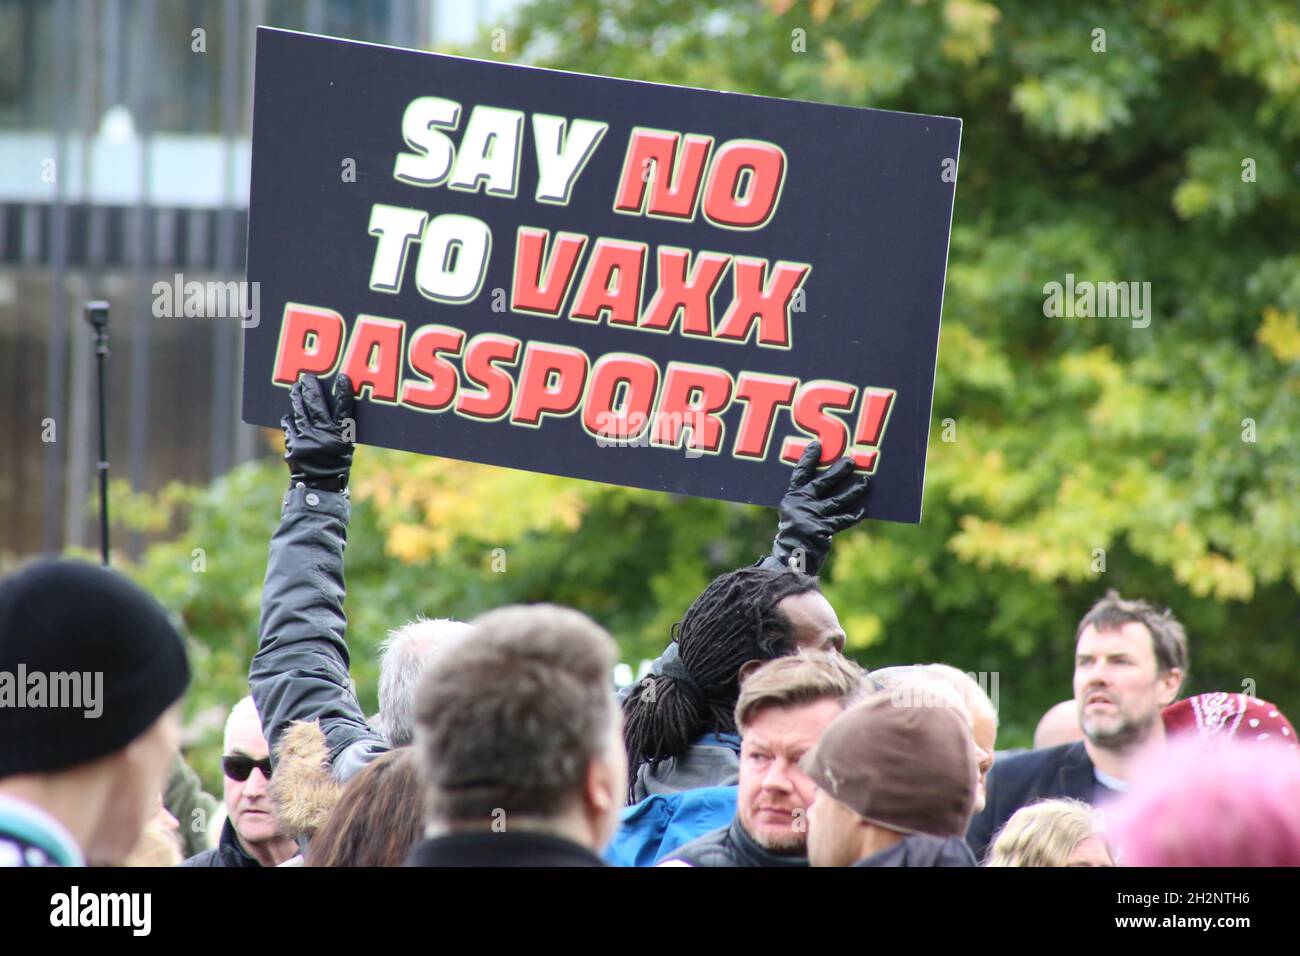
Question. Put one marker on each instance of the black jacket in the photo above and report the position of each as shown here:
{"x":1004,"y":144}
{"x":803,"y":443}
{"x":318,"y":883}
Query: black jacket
{"x":1014,"y":782}
{"x":921,"y":849}
{"x":501,"y":849}
{"x":228,"y":852}
{"x":731,"y":846}
{"x":300,"y":670}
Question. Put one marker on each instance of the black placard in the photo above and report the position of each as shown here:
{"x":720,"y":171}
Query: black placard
{"x":629,"y":282}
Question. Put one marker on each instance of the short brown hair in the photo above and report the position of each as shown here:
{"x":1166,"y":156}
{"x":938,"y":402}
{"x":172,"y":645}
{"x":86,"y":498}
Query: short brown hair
{"x":1169,"y":639}
{"x":801,"y":678}
{"x":377,"y":819}
{"x":511,"y":719}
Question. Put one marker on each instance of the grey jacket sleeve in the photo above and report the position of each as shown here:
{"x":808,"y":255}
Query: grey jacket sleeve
{"x":300,"y":670}
{"x":656,"y":668}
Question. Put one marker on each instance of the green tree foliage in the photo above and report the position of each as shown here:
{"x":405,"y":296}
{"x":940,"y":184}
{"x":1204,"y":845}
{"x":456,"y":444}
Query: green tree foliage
{"x":1135,"y":141}
{"x":1139,"y":142}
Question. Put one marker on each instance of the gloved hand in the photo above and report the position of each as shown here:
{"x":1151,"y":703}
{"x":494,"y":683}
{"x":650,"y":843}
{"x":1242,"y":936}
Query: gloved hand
{"x":315,"y":449}
{"x":816,"y":507}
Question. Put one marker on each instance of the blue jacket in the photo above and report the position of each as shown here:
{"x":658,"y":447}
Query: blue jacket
{"x":660,"y":824}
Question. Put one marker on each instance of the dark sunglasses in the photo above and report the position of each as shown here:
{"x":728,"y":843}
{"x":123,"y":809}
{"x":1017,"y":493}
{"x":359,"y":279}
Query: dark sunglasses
{"x":238,"y":767}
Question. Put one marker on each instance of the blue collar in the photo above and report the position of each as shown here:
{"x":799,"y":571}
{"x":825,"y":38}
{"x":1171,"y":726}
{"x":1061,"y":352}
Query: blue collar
{"x":730,"y":741}
{"x":30,"y":824}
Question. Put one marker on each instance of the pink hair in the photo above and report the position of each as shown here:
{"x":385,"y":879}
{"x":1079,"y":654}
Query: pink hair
{"x":1233,"y":803}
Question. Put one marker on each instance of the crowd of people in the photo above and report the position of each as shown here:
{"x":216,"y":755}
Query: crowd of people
{"x":502,"y":741}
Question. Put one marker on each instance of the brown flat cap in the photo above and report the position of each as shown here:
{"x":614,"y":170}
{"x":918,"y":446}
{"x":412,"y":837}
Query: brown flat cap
{"x":910,"y":768}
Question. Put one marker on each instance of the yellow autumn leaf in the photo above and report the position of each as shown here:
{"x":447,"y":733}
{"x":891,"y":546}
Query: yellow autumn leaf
{"x":861,"y":631}
{"x":1214,"y":574}
{"x":1280,"y":334}
{"x":408,"y":543}
{"x":970,"y":30}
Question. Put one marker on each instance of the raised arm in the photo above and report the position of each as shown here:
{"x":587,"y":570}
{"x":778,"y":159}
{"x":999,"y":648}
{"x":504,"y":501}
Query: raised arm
{"x":300,"y":670}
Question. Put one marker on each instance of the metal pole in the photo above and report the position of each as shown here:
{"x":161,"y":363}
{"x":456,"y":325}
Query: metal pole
{"x":97,"y":316}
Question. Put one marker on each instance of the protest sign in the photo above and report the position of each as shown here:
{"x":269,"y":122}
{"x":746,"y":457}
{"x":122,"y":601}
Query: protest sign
{"x":642,"y":284}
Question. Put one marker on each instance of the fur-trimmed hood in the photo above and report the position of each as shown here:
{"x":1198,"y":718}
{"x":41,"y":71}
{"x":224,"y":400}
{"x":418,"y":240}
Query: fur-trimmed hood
{"x":302,"y":789}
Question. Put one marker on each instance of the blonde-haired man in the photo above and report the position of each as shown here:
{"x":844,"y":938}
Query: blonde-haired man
{"x":783,"y":707}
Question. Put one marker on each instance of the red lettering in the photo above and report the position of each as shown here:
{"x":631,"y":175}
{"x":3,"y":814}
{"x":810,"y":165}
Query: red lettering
{"x":550,"y":383}
{"x":637,"y":378}
{"x":765,"y":164}
{"x":612,"y":282}
{"x":498,"y":387}
{"x":309,"y":342}
{"x":374,"y":357}
{"x":810,"y":415}
{"x":533,"y":293}
{"x":872,"y":420}
{"x":693,"y":396}
{"x":769,"y":303}
{"x":676,"y":185}
{"x":762,"y":395}
{"x":692,"y":297}
{"x":441,"y":387}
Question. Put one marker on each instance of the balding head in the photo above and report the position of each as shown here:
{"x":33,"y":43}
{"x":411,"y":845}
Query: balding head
{"x":1060,"y":725}
{"x":244,"y":730}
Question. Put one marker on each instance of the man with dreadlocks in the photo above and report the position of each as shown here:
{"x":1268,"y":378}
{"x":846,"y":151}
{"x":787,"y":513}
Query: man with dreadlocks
{"x":678,"y":720}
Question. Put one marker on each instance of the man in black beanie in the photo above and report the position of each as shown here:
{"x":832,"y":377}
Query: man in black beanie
{"x":91,"y":677}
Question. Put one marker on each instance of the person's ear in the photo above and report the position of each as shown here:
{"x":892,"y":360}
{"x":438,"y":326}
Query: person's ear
{"x":746,"y":669}
{"x":1169,"y":684}
{"x":603,"y":799}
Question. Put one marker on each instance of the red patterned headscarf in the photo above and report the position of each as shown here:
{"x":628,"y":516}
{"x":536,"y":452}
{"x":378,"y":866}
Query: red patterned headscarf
{"x":1219,"y":715}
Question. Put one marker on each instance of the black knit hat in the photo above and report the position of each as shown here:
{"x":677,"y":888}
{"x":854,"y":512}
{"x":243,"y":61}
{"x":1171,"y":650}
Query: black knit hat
{"x":76,"y":640}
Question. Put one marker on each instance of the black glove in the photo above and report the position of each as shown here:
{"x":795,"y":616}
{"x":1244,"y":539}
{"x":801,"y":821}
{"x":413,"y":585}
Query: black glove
{"x":816,"y":507}
{"x":314,"y":445}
